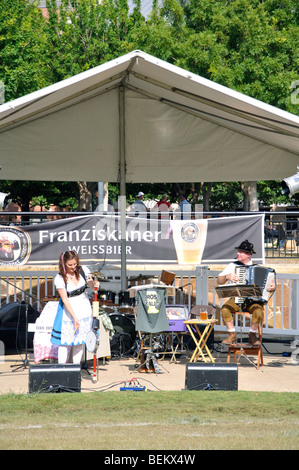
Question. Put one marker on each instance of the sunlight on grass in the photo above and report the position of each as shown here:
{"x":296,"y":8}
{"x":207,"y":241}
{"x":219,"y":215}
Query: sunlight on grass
{"x":156,"y":420}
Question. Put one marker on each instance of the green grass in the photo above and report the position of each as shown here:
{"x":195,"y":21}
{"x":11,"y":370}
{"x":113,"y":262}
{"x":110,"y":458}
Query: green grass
{"x":150,"y":420}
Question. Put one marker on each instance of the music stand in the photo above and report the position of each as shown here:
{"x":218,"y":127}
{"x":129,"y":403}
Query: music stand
{"x":239,"y":290}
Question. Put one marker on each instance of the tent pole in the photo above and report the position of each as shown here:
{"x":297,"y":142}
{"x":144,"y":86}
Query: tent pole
{"x":122,"y":168}
{"x":101,"y":196}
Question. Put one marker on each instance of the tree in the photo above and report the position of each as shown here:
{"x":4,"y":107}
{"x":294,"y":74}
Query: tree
{"x":85,"y":195}
{"x":85,"y":33}
{"x":23,"y":48}
{"x":28,"y":194}
{"x":250,"y":46}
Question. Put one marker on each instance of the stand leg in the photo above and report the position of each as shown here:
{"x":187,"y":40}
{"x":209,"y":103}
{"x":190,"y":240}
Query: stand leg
{"x":85,"y":365}
{"x":25,"y":363}
{"x":95,"y":368}
{"x":242,"y":352}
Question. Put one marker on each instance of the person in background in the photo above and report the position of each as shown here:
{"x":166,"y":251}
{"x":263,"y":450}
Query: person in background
{"x":185,"y":207}
{"x":163,"y":206}
{"x":139,"y":205}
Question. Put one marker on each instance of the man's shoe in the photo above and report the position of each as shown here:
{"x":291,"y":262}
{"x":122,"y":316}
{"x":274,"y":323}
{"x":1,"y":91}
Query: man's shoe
{"x":231,"y":338}
{"x":253,"y":339}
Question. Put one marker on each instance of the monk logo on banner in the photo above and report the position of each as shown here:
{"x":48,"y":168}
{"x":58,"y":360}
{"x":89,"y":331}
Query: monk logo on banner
{"x":15,"y":246}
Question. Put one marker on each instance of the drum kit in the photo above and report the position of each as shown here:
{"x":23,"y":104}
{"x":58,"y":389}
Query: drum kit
{"x":120,"y":308}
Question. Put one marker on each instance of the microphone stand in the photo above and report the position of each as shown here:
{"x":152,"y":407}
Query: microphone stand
{"x":182,"y":290}
{"x":25,"y":362}
{"x":185,"y":285}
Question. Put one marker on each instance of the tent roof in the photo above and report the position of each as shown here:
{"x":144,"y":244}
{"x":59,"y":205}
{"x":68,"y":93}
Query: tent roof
{"x":178,"y":127}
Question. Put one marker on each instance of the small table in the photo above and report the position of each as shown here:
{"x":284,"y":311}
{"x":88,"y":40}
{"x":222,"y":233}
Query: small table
{"x":175,"y":350}
{"x":201,"y":343}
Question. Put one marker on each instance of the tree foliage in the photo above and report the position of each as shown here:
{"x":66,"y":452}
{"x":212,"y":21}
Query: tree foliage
{"x":23,"y":48}
{"x":31,"y":193}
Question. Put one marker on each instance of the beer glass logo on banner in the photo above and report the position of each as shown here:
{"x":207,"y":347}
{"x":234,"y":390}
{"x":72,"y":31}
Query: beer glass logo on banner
{"x":189,"y":240}
{"x":15,"y":246}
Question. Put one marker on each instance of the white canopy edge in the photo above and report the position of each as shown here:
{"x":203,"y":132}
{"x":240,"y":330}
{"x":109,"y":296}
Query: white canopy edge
{"x":178,"y":127}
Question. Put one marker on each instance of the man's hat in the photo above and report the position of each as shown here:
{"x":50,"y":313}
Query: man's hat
{"x":140,"y":194}
{"x":246,"y":246}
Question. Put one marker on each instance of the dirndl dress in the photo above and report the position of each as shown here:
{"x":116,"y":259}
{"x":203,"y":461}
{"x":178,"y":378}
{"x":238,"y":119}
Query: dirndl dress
{"x":63,"y":333}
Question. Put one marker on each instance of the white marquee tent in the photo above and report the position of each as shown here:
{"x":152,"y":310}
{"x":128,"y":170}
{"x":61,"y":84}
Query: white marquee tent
{"x":148,"y":119}
{"x":139,"y":119}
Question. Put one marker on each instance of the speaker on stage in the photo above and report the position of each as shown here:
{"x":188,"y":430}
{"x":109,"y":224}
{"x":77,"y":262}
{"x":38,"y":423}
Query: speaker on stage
{"x":51,"y":378}
{"x":13,"y":325}
{"x":211,"y":376}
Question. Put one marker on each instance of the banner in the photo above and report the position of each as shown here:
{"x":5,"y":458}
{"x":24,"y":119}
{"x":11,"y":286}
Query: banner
{"x":97,"y":239}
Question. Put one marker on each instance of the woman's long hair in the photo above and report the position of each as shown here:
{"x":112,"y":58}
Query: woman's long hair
{"x":63,"y":259}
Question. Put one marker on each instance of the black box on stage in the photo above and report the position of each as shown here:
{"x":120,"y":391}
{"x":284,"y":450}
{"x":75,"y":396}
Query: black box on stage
{"x":211,"y":376}
{"x":50,"y":378}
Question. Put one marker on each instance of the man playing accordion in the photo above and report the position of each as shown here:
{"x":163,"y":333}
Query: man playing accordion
{"x":255,"y":306}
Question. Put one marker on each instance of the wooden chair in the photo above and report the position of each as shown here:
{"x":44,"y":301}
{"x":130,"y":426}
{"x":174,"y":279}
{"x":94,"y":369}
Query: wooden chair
{"x":245,"y":349}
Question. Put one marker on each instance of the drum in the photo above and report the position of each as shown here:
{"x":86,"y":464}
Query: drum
{"x":106,"y":299}
{"x":125,"y":302}
{"x":107,"y":296}
{"x":123,"y":341}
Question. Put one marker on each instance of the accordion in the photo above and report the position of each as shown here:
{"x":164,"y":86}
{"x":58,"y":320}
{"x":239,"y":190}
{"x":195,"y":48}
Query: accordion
{"x":253,"y":283}
{"x":257,"y":276}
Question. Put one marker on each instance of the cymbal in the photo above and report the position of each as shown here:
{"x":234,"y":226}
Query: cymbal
{"x":97,"y":273}
{"x":100,"y":277}
{"x":140,"y":277}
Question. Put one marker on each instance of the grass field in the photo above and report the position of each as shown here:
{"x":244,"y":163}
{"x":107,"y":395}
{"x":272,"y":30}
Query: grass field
{"x":182,"y":420}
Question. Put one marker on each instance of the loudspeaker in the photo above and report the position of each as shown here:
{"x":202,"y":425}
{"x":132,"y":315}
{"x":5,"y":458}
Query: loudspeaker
{"x":50,"y":378}
{"x":13,"y":325}
{"x":290,"y":185}
{"x":211,"y":376}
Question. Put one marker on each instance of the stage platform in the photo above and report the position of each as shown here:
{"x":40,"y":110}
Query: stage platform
{"x":279,"y":374}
